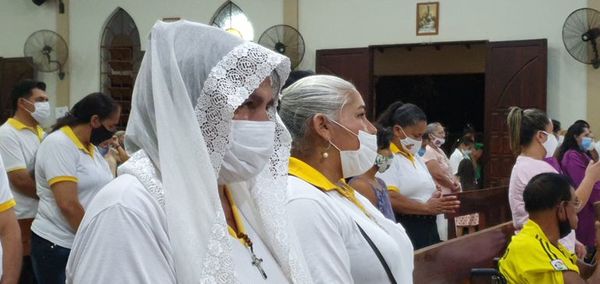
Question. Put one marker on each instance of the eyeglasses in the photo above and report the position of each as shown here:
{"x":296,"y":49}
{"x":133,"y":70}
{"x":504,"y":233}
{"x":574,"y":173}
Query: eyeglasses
{"x":576,"y":203}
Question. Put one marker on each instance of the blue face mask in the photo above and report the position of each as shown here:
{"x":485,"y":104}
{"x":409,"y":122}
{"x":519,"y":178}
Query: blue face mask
{"x":586,"y":144}
{"x":421,"y":152}
{"x":103,"y":151}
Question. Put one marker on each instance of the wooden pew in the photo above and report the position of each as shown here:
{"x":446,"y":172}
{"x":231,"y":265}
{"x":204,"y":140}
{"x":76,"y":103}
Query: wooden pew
{"x":452,"y":261}
{"x":491,"y":204}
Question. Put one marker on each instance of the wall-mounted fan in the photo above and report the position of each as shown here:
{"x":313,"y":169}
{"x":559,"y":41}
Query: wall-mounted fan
{"x":285,"y":40}
{"x":48,"y":50}
{"x":581,"y":36}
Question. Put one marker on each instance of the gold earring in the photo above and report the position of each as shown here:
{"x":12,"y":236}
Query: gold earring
{"x":325,"y":155}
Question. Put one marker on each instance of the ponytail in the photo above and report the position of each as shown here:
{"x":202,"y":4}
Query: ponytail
{"x":515,"y":116}
{"x":386,"y":118}
{"x":523,"y":125}
{"x":399,"y":113}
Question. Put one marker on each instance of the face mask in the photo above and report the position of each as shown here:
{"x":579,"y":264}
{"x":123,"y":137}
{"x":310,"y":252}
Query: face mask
{"x":383,"y":163}
{"x":422,"y":152}
{"x":413,"y":145}
{"x":103,"y":151}
{"x":467,"y":154}
{"x":587,"y":144}
{"x":564,"y":227}
{"x":358,"y":162}
{"x":550,"y":145}
{"x":438,"y":142}
{"x":561,"y":139}
{"x":100,"y":135}
{"x":251,"y":146}
{"x":41,"y":114}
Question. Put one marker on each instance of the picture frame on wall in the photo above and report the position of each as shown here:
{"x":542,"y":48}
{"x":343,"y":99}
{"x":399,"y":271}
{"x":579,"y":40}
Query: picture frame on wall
{"x":428,"y":18}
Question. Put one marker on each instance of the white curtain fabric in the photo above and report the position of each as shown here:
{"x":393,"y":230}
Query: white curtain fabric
{"x":191,"y":80}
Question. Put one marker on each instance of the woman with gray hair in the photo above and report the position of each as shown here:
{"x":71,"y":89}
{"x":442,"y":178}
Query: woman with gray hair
{"x":345,"y":239}
{"x":439,"y":167}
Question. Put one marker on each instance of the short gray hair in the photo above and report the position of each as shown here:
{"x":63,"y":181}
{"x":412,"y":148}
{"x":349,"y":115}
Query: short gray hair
{"x":432,"y":127}
{"x":317,"y":94}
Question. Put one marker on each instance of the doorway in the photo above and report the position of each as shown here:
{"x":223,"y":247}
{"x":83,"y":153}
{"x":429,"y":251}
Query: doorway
{"x":431,"y":75}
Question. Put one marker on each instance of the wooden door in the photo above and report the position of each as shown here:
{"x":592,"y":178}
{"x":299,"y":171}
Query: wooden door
{"x":516,"y":74}
{"x":12,"y":70}
{"x":351,"y":64}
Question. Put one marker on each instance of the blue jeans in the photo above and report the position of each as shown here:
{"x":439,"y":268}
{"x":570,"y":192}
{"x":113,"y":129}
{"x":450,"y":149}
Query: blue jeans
{"x":49,"y":260}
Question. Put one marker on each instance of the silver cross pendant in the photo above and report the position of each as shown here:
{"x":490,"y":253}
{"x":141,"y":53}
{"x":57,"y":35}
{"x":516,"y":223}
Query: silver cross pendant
{"x":256,"y":261}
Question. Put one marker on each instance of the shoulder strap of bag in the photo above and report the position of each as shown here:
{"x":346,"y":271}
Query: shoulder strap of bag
{"x":379,"y":256}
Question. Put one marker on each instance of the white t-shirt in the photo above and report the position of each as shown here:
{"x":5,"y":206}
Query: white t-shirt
{"x":123,"y":239}
{"x":334,"y":248}
{"x":332,"y":244}
{"x":410,"y":178}
{"x":62,"y":157}
{"x":6,"y":199}
{"x":18,"y":145}
{"x":455,"y":159}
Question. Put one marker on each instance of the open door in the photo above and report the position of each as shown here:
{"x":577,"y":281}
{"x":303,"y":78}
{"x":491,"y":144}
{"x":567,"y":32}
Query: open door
{"x":516,"y":74}
{"x":351,"y":64}
{"x":12,"y":70}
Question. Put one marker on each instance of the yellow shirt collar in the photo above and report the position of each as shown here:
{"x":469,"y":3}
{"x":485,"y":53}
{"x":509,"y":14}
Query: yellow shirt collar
{"x":67,"y":130}
{"x":20,"y":126}
{"x":400,"y":150}
{"x":309,"y":174}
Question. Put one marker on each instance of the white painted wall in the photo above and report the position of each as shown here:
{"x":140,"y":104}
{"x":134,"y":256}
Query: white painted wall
{"x":359,"y":23}
{"x":88,"y":18}
{"x":18,"y":20}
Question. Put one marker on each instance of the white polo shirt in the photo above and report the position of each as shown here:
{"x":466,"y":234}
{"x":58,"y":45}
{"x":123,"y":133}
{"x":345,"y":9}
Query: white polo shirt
{"x":409,"y":176}
{"x":18,"y":145}
{"x":6,"y":198}
{"x":62,"y":157}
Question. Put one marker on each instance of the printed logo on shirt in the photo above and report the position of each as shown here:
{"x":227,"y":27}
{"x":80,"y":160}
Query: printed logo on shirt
{"x":559,"y":265}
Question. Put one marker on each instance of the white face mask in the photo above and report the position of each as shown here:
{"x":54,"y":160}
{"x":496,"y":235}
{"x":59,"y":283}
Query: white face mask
{"x":358,"y":162}
{"x":413,"y":145}
{"x":438,"y":142}
{"x":41,"y":114}
{"x":550,"y":145}
{"x":251,"y":146}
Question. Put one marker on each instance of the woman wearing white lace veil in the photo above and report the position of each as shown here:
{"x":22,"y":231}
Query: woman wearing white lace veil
{"x":161,"y":220}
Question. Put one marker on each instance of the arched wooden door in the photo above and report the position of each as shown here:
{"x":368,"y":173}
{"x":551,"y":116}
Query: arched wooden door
{"x":516,"y":73}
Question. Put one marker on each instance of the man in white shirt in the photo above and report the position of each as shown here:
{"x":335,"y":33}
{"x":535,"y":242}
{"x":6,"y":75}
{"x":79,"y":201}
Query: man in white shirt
{"x":20,"y":137}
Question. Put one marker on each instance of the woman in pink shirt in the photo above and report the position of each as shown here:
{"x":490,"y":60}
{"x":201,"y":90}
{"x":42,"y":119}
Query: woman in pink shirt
{"x":530,"y":134}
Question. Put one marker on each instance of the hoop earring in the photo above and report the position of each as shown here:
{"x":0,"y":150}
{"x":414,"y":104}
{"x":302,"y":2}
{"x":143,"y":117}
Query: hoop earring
{"x":325,"y":154}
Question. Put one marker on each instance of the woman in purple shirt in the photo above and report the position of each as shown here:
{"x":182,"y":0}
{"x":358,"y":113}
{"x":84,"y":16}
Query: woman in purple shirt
{"x":574,"y":158}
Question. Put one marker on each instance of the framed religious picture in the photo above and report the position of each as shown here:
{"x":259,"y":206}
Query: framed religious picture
{"x":428,"y":18}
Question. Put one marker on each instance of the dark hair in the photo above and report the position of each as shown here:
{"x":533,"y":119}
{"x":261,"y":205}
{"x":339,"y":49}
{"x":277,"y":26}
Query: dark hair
{"x":384,"y":138}
{"x":555,"y":126}
{"x":466,"y":140}
{"x":523,"y":125}
{"x":23,"y":90}
{"x":545,"y":191}
{"x":570,"y":142}
{"x":583,"y":122}
{"x":295,"y":76}
{"x":82,"y":112}
{"x":399,"y":113}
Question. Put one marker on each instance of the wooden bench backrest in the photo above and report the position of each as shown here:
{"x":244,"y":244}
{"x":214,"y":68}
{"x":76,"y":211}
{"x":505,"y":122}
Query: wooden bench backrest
{"x":451,"y":261}
{"x":491,"y":204}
